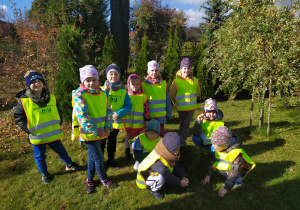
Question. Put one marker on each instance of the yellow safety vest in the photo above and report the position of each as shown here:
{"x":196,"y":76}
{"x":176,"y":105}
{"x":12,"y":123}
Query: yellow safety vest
{"x":135,"y":118}
{"x":186,"y":97}
{"x":224,"y":160}
{"x":147,"y":144}
{"x":147,"y":163}
{"x":116,"y":100}
{"x":97,"y":114}
{"x":157,"y":96}
{"x":43,"y":123}
{"x":208,"y":127}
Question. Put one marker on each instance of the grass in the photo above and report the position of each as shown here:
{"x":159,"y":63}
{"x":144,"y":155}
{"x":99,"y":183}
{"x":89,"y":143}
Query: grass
{"x":273,"y":184}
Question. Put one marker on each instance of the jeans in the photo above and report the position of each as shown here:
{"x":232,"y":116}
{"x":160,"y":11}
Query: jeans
{"x":96,"y":160}
{"x":40,"y":154}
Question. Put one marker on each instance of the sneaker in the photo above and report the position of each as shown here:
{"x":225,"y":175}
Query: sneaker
{"x":157,"y":194}
{"x":238,"y":185}
{"x":72,"y":167}
{"x":113,"y":164}
{"x":108,"y":183}
{"x":90,"y":186}
{"x":136,"y":165}
{"x":46,"y":178}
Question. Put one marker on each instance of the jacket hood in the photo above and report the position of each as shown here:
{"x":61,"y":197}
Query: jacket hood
{"x":21,"y":94}
{"x":235,"y":143}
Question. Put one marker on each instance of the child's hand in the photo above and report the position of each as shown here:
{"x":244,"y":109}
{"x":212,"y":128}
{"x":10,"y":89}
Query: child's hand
{"x":222,"y":192}
{"x":102,"y":134}
{"x":115,"y":116}
{"x":200,"y":117}
{"x":107,"y":131}
{"x":184,"y":182}
{"x":107,"y":86}
{"x":205,"y":181}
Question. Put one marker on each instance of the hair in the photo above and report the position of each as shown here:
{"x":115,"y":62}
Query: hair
{"x":190,"y":76}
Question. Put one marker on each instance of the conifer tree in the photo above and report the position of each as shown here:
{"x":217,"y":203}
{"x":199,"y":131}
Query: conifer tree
{"x":72,"y":58}
{"x":144,"y":57}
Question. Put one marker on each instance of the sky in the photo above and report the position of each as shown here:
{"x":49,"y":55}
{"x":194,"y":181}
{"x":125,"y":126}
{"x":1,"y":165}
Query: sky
{"x":189,"y":7}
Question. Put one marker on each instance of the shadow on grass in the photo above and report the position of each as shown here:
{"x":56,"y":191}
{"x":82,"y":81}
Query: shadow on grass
{"x":262,"y":147}
{"x":261,"y":190}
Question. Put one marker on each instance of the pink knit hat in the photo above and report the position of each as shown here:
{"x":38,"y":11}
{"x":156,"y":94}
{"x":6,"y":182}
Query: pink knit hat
{"x":88,"y":71}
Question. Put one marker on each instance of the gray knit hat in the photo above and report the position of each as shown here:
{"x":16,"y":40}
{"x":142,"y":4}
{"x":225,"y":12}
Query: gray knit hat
{"x":172,"y":141}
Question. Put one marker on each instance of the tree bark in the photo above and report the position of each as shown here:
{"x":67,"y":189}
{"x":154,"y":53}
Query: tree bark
{"x":270,"y":103}
{"x":251,"y":109}
{"x":262,"y":108}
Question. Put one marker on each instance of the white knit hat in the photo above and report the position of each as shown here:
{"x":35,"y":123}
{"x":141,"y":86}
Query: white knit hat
{"x":152,"y":65}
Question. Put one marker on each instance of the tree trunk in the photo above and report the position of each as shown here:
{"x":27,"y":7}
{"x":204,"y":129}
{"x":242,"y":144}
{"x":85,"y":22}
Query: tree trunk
{"x":262,"y":108}
{"x":119,"y":25}
{"x":251,"y":109}
{"x":270,"y":103}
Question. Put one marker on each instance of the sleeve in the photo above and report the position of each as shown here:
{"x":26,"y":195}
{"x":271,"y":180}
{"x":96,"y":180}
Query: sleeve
{"x":178,"y":170}
{"x":146,"y":111}
{"x":137,"y":150}
{"x":234,"y":172}
{"x":81,"y":112}
{"x":169,"y":177}
{"x":108,"y":118}
{"x":210,"y":169}
{"x":169,"y":107}
{"x":126,"y":107}
{"x":20,"y":117}
{"x":197,"y":128}
{"x":198,"y":90}
{"x":59,"y":113}
{"x":173,"y":92}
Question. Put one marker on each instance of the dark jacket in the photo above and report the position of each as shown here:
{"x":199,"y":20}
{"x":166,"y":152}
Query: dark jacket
{"x":237,"y":164}
{"x":170,"y":178}
{"x":19,"y":112}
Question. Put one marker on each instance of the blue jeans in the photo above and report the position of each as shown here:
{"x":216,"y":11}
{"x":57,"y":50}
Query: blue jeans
{"x":40,"y":155}
{"x":96,"y":160}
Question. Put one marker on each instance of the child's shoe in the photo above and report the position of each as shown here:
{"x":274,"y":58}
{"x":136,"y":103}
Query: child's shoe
{"x":108,"y":183}
{"x":46,"y":178}
{"x":72,"y":167}
{"x":136,"y":165}
{"x":157,"y":194}
{"x":90,"y":186}
{"x":113,"y":164}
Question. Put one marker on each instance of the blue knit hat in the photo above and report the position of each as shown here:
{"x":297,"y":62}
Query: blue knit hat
{"x":33,"y":75}
{"x":153,"y":125}
{"x":172,"y":141}
{"x":113,"y":67}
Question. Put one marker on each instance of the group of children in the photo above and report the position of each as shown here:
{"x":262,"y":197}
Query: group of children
{"x":142,"y":109}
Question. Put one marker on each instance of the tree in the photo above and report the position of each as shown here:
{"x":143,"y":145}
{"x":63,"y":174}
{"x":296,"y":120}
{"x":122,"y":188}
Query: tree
{"x":172,"y":62}
{"x":119,"y":25}
{"x":144,"y":57}
{"x":72,"y":58}
{"x":257,"y":47}
{"x":110,"y":55}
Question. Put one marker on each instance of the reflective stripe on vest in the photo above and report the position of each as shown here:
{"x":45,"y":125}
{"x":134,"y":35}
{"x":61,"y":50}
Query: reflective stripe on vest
{"x":224,"y":160}
{"x":116,"y":100}
{"x":97,"y":114}
{"x":148,"y":145}
{"x":135,"y":118}
{"x":186,"y":97}
{"x":43,"y":122}
{"x":207,"y":128}
{"x":156,"y":95}
{"x":147,"y":163}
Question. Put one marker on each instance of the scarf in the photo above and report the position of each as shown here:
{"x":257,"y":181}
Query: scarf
{"x":40,"y":101}
{"x":115,"y":86}
{"x":162,"y":151}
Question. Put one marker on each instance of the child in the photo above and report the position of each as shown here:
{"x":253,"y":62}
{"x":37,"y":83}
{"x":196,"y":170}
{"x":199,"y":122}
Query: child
{"x":158,"y":96}
{"x":231,"y":161}
{"x":93,"y":113}
{"x":121,"y":105}
{"x":207,"y":123}
{"x":163,"y":162}
{"x":183,"y":93}
{"x":137,"y":119}
{"x":36,"y":113}
{"x":145,"y":142}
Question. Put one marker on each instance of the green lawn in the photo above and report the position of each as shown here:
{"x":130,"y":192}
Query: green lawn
{"x":273,"y":184}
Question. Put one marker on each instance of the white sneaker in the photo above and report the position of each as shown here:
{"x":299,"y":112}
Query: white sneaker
{"x":136,"y":165}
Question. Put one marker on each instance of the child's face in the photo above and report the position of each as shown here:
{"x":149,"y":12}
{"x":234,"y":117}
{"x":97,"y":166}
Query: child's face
{"x":211,"y":115}
{"x":37,"y":86}
{"x":152,"y":135}
{"x":154,"y":73}
{"x":113,"y":77}
{"x":185,"y":71}
{"x":135,"y":84}
{"x":91,"y":83}
{"x":219,"y":148}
